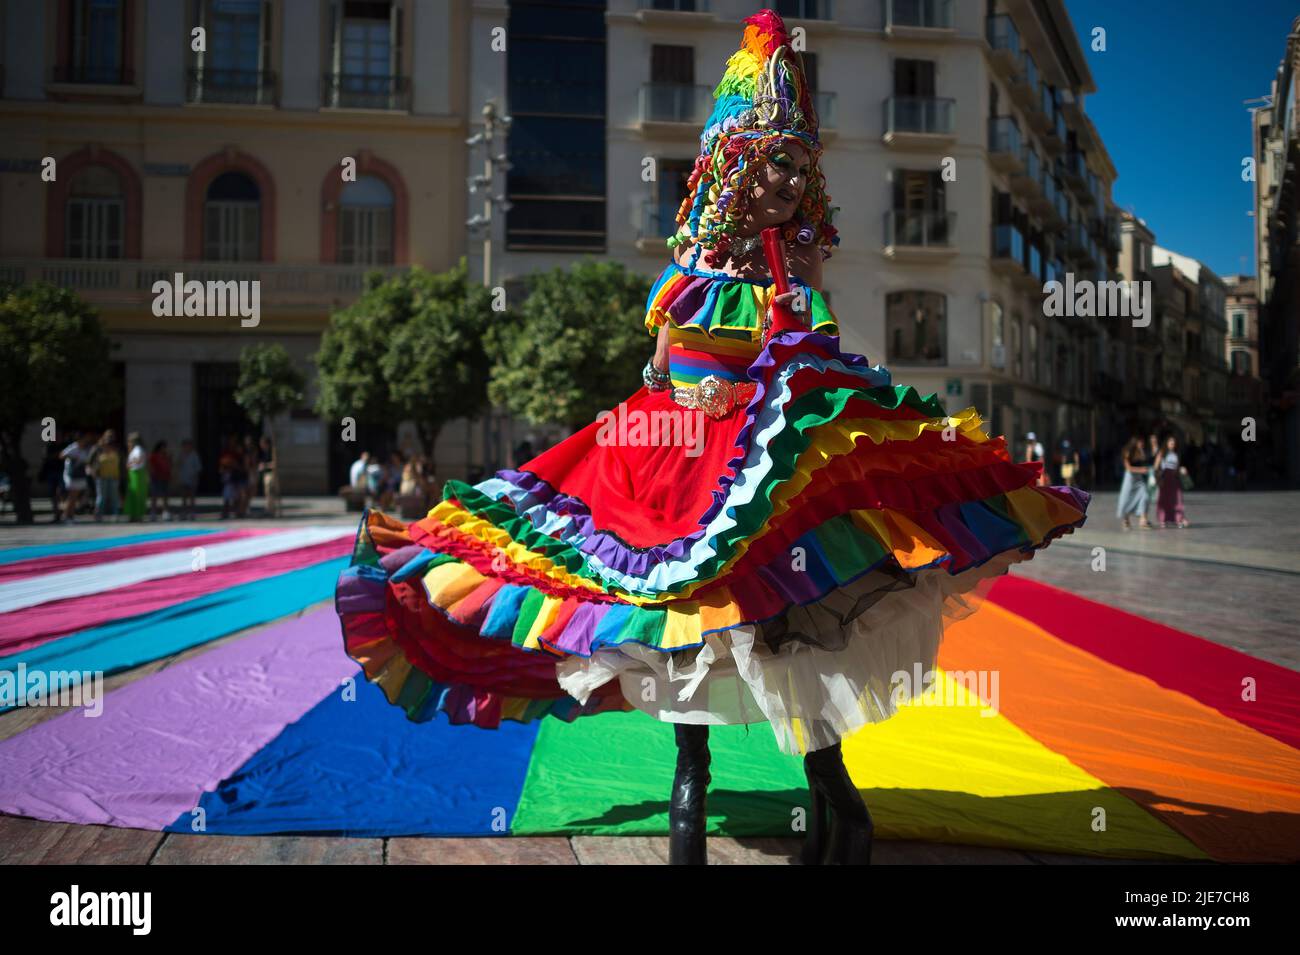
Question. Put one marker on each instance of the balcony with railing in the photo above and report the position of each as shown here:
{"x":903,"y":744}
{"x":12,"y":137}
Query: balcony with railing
{"x":673,"y":107}
{"x":917,"y":19}
{"x":1058,"y":133}
{"x":805,"y":9}
{"x":654,"y":221}
{"x":1097,"y":190}
{"x":1061,"y":204}
{"x":1043,"y":202}
{"x":1079,"y":244}
{"x":1033,"y":275}
{"x":128,"y":282}
{"x":1053,"y":270}
{"x":918,"y":121}
{"x":1113,"y":235}
{"x":673,"y":6}
{"x":1024,"y":84}
{"x":1027,"y":179}
{"x":1007,"y":250}
{"x":1004,"y":43}
{"x":365,"y":91}
{"x":1005,"y":144}
{"x":240,"y":87}
{"x":92,"y":74}
{"x":1073,"y":168}
{"x":919,"y":236}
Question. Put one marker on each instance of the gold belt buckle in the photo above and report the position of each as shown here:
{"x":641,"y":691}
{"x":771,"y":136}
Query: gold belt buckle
{"x":713,"y":395}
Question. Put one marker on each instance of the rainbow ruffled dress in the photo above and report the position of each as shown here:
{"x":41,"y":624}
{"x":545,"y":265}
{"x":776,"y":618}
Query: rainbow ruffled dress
{"x":783,"y":562}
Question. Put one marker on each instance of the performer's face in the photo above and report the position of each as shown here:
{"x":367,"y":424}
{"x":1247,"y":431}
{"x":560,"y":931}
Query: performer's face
{"x":780,"y":185}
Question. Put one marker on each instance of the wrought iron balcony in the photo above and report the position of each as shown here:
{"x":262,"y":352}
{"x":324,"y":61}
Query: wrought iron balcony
{"x":92,"y":74}
{"x":246,"y":87}
{"x":364,"y":91}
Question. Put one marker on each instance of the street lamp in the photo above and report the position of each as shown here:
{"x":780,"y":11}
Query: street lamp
{"x":491,"y":165}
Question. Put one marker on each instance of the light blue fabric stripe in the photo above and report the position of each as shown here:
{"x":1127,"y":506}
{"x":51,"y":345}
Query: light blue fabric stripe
{"x":36,"y":551}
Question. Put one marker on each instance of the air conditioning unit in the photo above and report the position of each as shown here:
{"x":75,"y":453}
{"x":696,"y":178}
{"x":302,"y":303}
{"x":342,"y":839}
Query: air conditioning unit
{"x":999,"y":356}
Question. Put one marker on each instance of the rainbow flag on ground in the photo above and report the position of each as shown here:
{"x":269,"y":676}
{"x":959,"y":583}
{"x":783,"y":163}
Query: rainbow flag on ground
{"x":1091,"y":730}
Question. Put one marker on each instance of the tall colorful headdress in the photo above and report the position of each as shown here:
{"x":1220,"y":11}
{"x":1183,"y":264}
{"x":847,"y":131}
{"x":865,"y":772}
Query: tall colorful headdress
{"x":761,"y":102}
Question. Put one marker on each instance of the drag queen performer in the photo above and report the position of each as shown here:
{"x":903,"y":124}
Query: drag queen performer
{"x":791,"y":564}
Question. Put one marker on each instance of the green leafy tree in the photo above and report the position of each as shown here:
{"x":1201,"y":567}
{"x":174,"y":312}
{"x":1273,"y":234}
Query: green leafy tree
{"x":577,"y":347}
{"x":54,"y":364}
{"x":410,"y":348}
{"x":269,"y":385}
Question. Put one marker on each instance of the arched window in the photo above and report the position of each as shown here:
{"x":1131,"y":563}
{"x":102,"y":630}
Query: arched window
{"x":916,"y":327}
{"x":95,"y":215}
{"x":232,"y":219}
{"x":365,"y":234}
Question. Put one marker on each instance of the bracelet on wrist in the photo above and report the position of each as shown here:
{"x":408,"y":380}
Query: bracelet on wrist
{"x":655,"y":379}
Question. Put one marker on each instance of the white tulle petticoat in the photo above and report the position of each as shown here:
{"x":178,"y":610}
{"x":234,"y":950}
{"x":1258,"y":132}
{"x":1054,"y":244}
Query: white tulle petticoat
{"x":811,"y":695}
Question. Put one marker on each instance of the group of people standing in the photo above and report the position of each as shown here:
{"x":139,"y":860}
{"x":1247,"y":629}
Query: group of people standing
{"x":1152,"y":469}
{"x":247,"y":466}
{"x":401,"y":476}
{"x":137,"y":483}
{"x":1067,"y":460}
{"x":128,"y":481}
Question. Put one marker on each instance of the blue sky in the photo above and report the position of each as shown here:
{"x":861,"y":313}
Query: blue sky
{"x":1169,"y":107}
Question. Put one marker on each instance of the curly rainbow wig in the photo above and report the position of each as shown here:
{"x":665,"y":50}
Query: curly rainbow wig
{"x":761,"y":103}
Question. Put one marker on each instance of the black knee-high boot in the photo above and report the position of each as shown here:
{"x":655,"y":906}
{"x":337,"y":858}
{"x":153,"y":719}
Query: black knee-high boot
{"x":847,"y":839}
{"x":686,"y":812}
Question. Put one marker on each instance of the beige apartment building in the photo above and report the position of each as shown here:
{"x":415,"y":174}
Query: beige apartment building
{"x":939,"y":275}
{"x":226,"y":164}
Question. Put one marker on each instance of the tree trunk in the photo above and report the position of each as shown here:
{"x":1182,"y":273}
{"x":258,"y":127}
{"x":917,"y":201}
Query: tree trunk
{"x":429,"y":438}
{"x":12,"y":464}
{"x":275,"y":467}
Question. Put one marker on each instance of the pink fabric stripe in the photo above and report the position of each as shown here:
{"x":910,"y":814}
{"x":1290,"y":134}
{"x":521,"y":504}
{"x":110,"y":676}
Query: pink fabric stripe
{"x":163,"y":741}
{"x":33,"y":626}
{"x":50,"y":565}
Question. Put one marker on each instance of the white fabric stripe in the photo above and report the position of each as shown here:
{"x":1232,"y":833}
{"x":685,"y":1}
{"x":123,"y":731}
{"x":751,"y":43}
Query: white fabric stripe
{"x":97,"y":578}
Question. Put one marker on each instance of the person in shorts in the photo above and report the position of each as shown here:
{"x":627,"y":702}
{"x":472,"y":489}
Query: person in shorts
{"x":74,"y":458}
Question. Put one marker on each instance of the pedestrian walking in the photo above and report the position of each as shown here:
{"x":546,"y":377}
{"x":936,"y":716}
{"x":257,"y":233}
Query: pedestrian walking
{"x":1173,"y":477}
{"x":74,"y":457}
{"x":137,"y":478}
{"x":1034,"y":452}
{"x":1133,"y":488}
{"x":1152,"y":450}
{"x":105,"y":465}
{"x":1067,"y":458}
{"x":267,"y":478}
